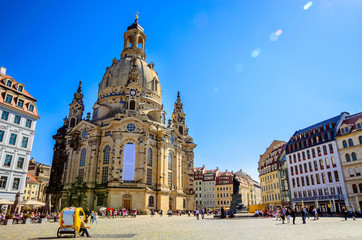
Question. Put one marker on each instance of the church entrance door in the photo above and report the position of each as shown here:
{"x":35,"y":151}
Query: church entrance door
{"x":127,"y":203}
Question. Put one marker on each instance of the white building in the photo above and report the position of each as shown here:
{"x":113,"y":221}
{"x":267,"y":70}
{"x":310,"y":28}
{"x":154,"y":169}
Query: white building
{"x":208,"y":189}
{"x":314,"y":166}
{"x":18,"y":116}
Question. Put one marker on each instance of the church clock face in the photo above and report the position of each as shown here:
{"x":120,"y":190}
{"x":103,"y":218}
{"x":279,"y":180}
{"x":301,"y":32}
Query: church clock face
{"x":133,"y":92}
{"x":179,"y":119}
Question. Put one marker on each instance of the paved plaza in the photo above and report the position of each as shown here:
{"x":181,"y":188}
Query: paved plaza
{"x":145,"y":227}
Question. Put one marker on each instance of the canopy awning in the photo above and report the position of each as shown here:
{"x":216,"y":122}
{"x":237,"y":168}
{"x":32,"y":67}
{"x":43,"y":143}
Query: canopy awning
{"x":5,"y":202}
{"x":32,"y":203}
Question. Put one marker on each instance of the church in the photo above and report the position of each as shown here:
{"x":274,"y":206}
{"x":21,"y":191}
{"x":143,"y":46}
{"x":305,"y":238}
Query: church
{"x":125,"y":155}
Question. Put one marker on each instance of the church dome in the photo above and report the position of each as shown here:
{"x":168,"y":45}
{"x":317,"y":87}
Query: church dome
{"x":117,"y":75}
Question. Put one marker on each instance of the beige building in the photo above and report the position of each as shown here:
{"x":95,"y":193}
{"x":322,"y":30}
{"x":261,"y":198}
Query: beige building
{"x":224,"y":189}
{"x":249,"y":189}
{"x":41,"y":173}
{"x":31,"y":188}
{"x":349,"y":141}
{"x":126,"y":155}
{"x":269,"y":174}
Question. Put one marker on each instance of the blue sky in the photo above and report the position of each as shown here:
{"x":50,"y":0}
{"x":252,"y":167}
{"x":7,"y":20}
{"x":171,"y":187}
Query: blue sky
{"x":249,"y":72}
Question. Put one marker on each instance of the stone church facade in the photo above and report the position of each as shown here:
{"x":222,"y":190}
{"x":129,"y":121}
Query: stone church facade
{"x":126,"y":155}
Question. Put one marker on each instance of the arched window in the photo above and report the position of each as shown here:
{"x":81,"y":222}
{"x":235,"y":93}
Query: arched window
{"x":344,"y":144}
{"x":181,"y":130}
{"x":358,"y":173}
{"x":169,"y":161}
{"x":83,"y":155}
{"x":351,"y":173}
{"x":350,"y":142}
{"x":354,"y":186}
{"x":151,"y":201}
{"x":360,"y":187}
{"x":149,"y":157}
{"x":348,"y":158}
{"x":359,"y":126}
{"x":106,"y":154}
{"x":72,"y":122}
{"x":360,"y":139}
{"x":107,"y":81}
{"x":129,"y":159}
{"x":354,"y":156}
{"x":132,"y":105}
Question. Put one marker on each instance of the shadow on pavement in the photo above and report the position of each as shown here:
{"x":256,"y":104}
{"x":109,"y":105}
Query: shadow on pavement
{"x":93,"y":236}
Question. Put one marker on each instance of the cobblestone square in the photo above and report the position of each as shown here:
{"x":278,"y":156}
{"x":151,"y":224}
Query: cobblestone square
{"x":146,"y":227}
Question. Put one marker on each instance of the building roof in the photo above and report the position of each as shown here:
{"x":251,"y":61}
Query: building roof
{"x":31,"y":179}
{"x":320,"y":124}
{"x":351,"y":121}
{"x":13,"y":86}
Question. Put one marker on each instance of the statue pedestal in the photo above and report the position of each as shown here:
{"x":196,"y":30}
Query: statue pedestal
{"x":235,"y":201}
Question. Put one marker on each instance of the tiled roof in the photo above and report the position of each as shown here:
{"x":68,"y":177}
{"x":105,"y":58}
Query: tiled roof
{"x":13,"y":88}
{"x":351,"y":120}
{"x":320,"y":124}
{"x":30,"y":178}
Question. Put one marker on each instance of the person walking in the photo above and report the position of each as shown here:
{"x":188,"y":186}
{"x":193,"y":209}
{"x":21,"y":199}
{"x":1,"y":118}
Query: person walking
{"x":303,"y":216}
{"x":353,"y":214}
{"x":315,"y":214}
{"x":197,"y":214}
{"x":160,"y":213}
{"x":152,"y":213}
{"x":188,"y":213}
{"x":202,"y":213}
{"x":293,"y":215}
{"x":306,"y":213}
{"x":95,"y":216}
{"x":344,"y":211}
{"x":282,"y":215}
{"x":83,"y":229}
{"x":288,"y":215}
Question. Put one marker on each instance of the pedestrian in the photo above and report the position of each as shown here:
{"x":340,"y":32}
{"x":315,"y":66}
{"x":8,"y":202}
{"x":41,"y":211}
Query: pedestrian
{"x":222,"y":212}
{"x":315,"y":214}
{"x":152,"y":213}
{"x":83,"y":229}
{"x":288,"y":215}
{"x":344,"y":211}
{"x":202,"y":213}
{"x":197,"y":214}
{"x":353,"y":214}
{"x":303,"y":216}
{"x":282,"y":215}
{"x":160,"y":213}
{"x":188,"y":213}
{"x":95,"y":216}
{"x":306,"y":213}
{"x":92,"y":215}
{"x":293,"y":215}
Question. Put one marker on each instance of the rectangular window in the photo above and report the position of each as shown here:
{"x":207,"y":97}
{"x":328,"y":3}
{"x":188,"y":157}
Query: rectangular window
{"x":100,"y":200}
{"x":31,"y":108}
{"x":307,"y":180}
{"x":81,"y":175}
{"x":7,"y":162}
{"x":20,"y":103}
{"x":303,"y":155}
{"x":12,"y":139}
{"x":319,"y":151}
{"x":294,"y":158}
{"x":28,"y":123}
{"x":149,"y":176}
{"x":9,"y":83}
{"x":1,"y":135}
{"x":308,"y":154}
{"x":3,"y":180}
{"x":333,"y":191}
{"x":16,"y":183}
{"x":339,"y":190}
{"x":326,"y":191}
{"x":20,"y":163}
{"x":298,"y":184}
{"x":302,"y":179}
{"x":321,"y":164}
{"x":328,"y":165}
{"x":333,"y":161}
{"x":330,"y":148}
{"x":317,"y":178}
{"x":24,"y":142}
{"x":293,"y":181}
{"x":300,"y":168}
{"x":305,"y":168}
{"x":104,"y":175}
{"x":320,"y":192}
{"x":336,"y":177}
{"x":310,"y":167}
{"x":313,"y":152}
{"x":312,"y":179}
{"x":17,"y":119}
{"x":314,"y":192}
{"x":8,"y":98}
{"x":330,"y":179}
{"x":324,"y":178}
{"x":5,"y":115}
{"x":296,"y":169}
{"x":315,"y":165}
{"x":325,"y":149}
{"x":309,"y":193}
{"x":299,"y":157}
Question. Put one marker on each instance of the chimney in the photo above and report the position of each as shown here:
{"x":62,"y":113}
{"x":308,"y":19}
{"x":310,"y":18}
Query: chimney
{"x":2,"y":71}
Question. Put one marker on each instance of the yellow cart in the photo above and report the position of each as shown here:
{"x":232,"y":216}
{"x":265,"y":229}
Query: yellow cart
{"x":70,"y":220}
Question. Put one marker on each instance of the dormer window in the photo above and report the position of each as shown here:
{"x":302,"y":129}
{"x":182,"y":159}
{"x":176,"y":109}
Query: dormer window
{"x":342,"y":130}
{"x":9,"y":83}
{"x":20,"y":88}
{"x":9,"y":98}
{"x":359,"y":126}
{"x":20,"y":103}
{"x":31,"y":108}
{"x":346,"y":128}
